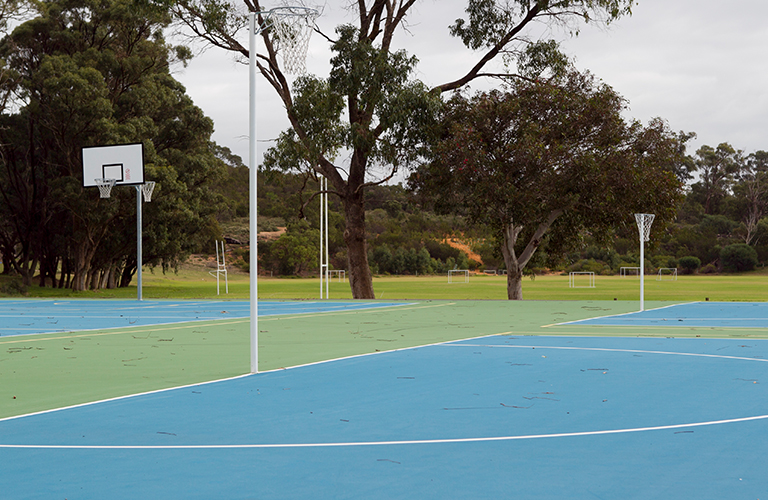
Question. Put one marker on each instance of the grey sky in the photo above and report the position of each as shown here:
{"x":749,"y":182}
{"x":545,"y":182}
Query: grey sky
{"x":699,"y":64}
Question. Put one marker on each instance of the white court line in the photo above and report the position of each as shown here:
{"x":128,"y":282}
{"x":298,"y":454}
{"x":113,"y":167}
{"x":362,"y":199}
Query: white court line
{"x":196,"y":384}
{"x":604,"y":349}
{"x":381,"y":443}
{"x":622,"y":314}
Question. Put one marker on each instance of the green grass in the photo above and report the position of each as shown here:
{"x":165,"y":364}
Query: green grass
{"x":740,"y":287}
{"x":195,"y":283}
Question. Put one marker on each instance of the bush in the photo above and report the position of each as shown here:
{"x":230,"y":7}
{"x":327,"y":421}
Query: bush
{"x":738,"y":258}
{"x":689,"y":264}
{"x":708,"y":269}
{"x":14,"y":287}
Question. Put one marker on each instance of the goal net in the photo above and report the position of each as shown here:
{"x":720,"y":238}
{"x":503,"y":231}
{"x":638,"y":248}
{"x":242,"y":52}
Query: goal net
{"x":582,"y":279}
{"x":667,"y":273}
{"x":458,"y":276}
{"x":629,"y":271}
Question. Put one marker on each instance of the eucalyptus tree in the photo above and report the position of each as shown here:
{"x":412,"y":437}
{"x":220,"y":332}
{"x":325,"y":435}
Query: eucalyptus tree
{"x":751,"y":191}
{"x":371,"y":104}
{"x":94,"y":72}
{"x":543,"y":164}
{"x":717,"y":169}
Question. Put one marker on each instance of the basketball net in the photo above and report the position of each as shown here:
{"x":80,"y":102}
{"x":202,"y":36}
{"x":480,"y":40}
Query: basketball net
{"x":147,"y":189}
{"x":644,"y":222}
{"x":105,"y":186}
{"x":293,"y":29}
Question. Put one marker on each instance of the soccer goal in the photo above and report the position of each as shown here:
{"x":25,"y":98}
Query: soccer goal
{"x":458,"y":276}
{"x":581,"y":279}
{"x":341,"y":274}
{"x":629,"y":271}
{"x":667,"y":274}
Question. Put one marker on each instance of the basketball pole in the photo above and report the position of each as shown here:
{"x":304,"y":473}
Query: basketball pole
{"x":642,"y":272}
{"x":139,"y":257}
{"x":252,"y":160}
{"x":644,"y":222}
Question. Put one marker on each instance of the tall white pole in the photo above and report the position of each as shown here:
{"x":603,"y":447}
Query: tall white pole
{"x":252,"y":164}
{"x":139,"y":256}
{"x":642,"y":272}
{"x":644,"y":222}
{"x":321,"y":236}
{"x":327,"y":254}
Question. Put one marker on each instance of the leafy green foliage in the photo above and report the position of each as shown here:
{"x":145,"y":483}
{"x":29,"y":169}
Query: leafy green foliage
{"x":689,"y":264}
{"x":738,"y":258}
{"x":96,"y":72}
{"x":547,"y":163}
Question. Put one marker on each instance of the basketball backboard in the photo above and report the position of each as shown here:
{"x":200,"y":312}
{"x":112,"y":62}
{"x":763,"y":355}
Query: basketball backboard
{"x":122,"y":162}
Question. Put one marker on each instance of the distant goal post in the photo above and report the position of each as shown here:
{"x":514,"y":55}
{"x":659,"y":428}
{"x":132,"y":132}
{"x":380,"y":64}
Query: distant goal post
{"x":629,"y":271}
{"x":340,"y":274}
{"x":458,"y":276}
{"x":667,"y":274}
{"x":581,"y":279}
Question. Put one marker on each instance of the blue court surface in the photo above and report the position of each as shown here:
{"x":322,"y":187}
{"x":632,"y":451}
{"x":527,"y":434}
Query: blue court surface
{"x":696,"y":314}
{"x":21,"y":317}
{"x":491,"y":417}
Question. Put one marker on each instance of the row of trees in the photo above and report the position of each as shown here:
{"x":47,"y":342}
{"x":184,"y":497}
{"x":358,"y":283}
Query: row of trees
{"x":406,"y":237}
{"x":541,"y":164}
{"x":372,"y":107}
{"x":93,"y":72}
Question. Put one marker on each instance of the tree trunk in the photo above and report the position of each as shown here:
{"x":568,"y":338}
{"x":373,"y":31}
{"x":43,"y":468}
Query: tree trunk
{"x":514,"y":284}
{"x":515,"y":264}
{"x":360,"y":278}
{"x":127,"y":275}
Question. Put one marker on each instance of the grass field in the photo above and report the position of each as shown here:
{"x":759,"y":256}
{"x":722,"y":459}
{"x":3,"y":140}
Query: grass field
{"x":194,"y":282}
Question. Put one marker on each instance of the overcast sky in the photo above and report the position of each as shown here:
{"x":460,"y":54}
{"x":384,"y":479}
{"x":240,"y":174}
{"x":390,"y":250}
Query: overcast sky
{"x":699,"y":64}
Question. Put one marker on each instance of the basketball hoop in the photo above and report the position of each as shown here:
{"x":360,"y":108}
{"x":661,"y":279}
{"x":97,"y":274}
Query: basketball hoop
{"x":644,"y":222}
{"x":147,"y":189}
{"x":293,"y":29}
{"x":105,"y":186}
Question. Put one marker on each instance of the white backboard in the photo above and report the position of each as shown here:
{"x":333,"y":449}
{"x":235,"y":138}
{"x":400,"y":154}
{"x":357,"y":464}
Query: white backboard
{"x":122,"y":162}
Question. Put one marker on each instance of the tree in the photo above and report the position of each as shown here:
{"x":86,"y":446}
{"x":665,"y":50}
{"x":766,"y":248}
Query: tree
{"x":738,"y":258}
{"x":752,"y":188}
{"x":542,"y":164}
{"x":370,"y":103}
{"x":717,"y":168}
{"x":88,"y":72}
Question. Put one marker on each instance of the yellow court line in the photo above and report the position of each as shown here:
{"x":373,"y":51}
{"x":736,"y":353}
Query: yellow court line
{"x":138,"y":329}
{"x":358,"y":311}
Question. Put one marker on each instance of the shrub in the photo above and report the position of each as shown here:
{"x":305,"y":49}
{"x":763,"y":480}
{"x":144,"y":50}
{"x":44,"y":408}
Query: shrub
{"x":689,"y":264}
{"x":708,"y":269}
{"x":738,"y":258}
{"x":14,"y":287}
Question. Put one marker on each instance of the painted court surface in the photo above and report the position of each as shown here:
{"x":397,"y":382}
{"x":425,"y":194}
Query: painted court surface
{"x":20,"y":317}
{"x":533,"y":411}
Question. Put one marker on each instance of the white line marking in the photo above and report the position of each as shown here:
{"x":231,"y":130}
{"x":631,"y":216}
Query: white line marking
{"x":382,"y":443}
{"x":603,"y":349}
{"x":622,"y":314}
{"x":196,"y":384}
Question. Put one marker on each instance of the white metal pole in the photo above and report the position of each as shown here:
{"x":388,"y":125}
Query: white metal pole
{"x":642,"y":271}
{"x":252,"y":163}
{"x":224,"y":264}
{"x":139,"y":257}
{"x":327,"y":255}
{"x":218,"y":267}
{"x":321,"y":236}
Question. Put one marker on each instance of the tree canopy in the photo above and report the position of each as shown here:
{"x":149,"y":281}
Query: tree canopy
{"x":96,"y":72}
{"x":371,"y":103}
{"x":545,"y":163}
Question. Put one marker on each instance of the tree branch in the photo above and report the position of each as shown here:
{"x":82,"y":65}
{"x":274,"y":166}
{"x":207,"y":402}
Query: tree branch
{"x":492,"y":53}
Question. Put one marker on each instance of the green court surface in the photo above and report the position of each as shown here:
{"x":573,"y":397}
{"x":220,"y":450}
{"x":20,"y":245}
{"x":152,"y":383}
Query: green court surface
{"x":42,"y":372}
